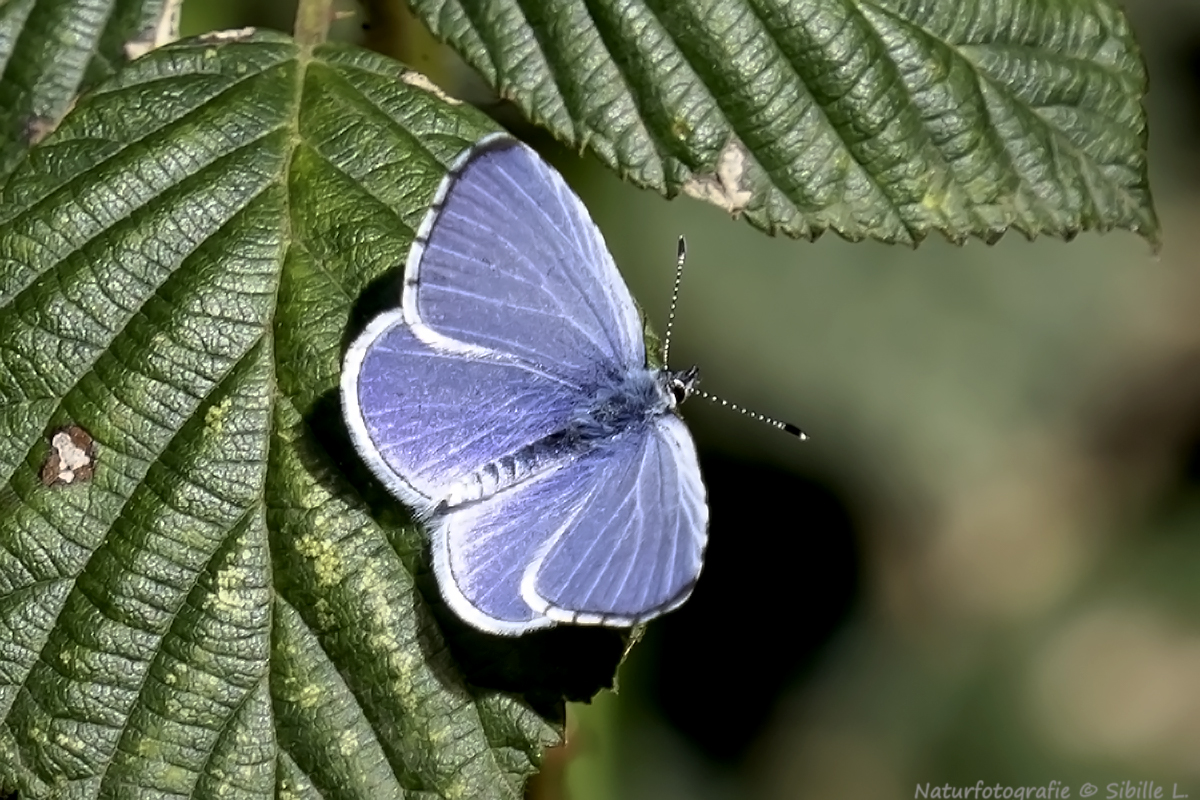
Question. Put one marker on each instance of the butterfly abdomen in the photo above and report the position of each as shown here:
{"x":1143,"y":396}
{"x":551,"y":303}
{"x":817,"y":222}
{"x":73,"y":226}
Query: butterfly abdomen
{"x":513,"y":469}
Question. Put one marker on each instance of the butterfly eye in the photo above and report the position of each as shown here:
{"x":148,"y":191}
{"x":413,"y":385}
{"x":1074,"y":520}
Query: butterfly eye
{"x":679,"y":391}
{"x":682,"y":385}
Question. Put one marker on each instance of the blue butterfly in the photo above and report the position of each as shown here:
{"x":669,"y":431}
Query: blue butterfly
{"x":508,"y":401}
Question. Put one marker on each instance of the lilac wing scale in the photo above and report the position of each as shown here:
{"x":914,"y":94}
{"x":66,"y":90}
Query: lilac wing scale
{"x":424,"y":418}
{"x":637,"y":547}
{"x":512,"y":263}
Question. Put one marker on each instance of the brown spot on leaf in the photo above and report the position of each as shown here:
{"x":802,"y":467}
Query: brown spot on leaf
{"x":72,"y":457}
{"x":421,"y":81}
{"x":726,"y":187}
{"x":231,"y":35}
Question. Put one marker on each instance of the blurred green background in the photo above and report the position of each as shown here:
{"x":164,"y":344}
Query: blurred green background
{"x":985,"y":565}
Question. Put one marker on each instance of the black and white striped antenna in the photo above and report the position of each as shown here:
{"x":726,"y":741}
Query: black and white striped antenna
{"x":786,"y":427}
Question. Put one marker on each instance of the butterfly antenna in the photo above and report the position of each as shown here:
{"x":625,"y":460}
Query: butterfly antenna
{"x":786,"y":427}
{"x":682,"y":254}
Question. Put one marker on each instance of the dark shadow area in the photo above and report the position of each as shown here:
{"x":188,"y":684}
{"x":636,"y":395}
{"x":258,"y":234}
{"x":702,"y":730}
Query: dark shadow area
{"x":382,"y":294}
{"x":547,"y":667}
{"x":1188,"y":56}
{"x":780,"y":575}
{"x":1190,"y":462}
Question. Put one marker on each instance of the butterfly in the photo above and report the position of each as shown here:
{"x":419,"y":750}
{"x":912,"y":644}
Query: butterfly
{"x":508,"y":401}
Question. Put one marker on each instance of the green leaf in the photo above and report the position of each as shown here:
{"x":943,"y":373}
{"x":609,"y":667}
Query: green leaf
{"x":885,"y":118}
{"x":51,"y":50}
{"x":223,"y":606}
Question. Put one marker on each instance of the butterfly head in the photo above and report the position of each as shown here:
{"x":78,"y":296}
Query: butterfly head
{"x":680,"y":384}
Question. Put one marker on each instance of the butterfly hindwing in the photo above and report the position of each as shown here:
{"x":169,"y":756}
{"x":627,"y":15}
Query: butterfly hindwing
{"x":635,"y":550}
{"x":613,"y":537}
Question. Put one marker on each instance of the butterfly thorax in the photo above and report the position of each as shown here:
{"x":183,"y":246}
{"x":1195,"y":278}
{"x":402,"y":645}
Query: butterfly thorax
{"x":616,"y":405}
{"x":617,"y":402}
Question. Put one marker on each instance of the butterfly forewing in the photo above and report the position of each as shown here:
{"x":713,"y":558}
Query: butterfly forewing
{"x":511,"y":263}
{"x":425,"y":419}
